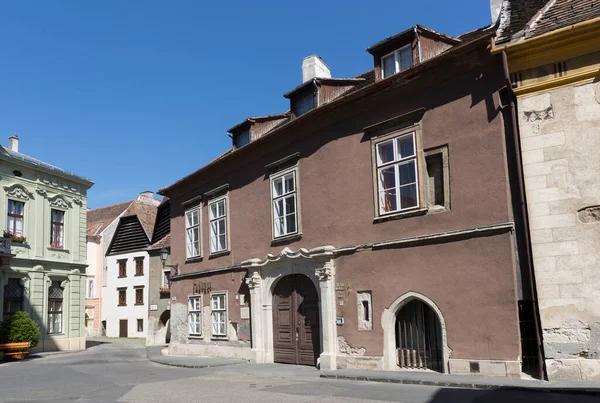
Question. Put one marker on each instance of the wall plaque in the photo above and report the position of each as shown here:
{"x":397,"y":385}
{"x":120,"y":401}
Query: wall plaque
{"x":154,"y":307}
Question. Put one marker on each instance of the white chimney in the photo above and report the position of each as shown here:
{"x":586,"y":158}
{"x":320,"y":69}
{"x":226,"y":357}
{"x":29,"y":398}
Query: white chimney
{"x":495,"y":8}
{"x":148,"y":197}
{"x":314,"y":67}
{"x":13,"y":143}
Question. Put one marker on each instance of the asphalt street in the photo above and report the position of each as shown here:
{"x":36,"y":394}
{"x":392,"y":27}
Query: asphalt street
{"x":119,"y":371}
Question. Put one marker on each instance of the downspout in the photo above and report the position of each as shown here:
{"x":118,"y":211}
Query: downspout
{"x":523,"y":207}
{"x":418,"y":44}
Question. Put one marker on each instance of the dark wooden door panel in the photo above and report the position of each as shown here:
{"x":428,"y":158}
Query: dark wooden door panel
{"x":123,"y":328}
{"x":296,"y":326}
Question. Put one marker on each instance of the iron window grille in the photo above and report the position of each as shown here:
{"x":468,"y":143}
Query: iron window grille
{"x":55,"y":308}
{"x":13,"y":297}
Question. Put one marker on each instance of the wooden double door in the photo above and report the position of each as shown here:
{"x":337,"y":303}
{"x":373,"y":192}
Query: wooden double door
{"x":296,"y":324}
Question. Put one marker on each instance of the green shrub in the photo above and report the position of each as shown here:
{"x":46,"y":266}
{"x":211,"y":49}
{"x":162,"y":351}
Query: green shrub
{"x":19,"y":328}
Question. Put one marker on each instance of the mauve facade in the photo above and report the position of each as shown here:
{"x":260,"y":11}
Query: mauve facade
{"x":458,"y":262}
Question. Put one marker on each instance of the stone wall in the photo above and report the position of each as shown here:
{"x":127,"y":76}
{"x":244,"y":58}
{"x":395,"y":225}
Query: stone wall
{"x":560,"y":141}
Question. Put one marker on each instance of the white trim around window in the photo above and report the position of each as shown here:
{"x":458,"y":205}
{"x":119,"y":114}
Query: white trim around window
{"x":195,"y":315}
{"x":285,"y":203}
{"x":396,"y":61}
{"x":218,"y":313}
{"x":192,"y":219}
{"x":397,"y":172}
{"x":218,"y":212}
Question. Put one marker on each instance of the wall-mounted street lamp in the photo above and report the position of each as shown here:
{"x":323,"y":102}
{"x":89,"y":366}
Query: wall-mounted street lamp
{"x":164,"y":255}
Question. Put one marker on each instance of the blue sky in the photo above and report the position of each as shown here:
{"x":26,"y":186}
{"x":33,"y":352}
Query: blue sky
{"x":136,"y":94}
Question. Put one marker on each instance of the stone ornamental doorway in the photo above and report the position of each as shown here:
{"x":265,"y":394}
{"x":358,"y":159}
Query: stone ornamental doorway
{"x":296,"y":324}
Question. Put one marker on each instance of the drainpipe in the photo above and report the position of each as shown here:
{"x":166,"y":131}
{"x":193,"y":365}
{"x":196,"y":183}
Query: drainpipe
{"x":523,"y":208}
{"x":318,"y":92}
{"x":418,"y":44}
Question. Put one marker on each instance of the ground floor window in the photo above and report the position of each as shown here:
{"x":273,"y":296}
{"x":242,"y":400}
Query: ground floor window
{"x":140,"y":325}
{"x":219,"y":314}
{"x":194,"y":315}
{"x":13,"y":297}
{"x":55,"y":308}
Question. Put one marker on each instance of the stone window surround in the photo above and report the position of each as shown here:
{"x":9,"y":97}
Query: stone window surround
{"x":196,"y":205}
{"x":65,"y":284}
{"x":195,"y":335}
{"x":220,"y":336}
{"x":227,"y":216}
{"x":275,"y":175}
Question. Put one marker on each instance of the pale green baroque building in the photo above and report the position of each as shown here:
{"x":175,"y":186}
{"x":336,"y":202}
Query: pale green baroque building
{"x":43,"y":274}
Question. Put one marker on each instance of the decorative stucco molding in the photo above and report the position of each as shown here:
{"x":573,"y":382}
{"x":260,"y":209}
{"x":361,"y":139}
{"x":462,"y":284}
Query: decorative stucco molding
{"x":254,"y":281}
{"x":320,"y":251}
{"x":41,"y":192}
{"x":60,"y":201}
{"x":78,"y":201}
{"x":324,"y":273}
{"x":18,"y":191}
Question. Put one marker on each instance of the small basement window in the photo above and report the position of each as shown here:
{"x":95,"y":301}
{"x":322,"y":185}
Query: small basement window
{"x":365,"y":310}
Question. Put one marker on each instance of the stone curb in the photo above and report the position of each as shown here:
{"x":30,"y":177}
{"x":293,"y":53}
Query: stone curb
{"x":191,"y":366}
{"x":465,"y":385}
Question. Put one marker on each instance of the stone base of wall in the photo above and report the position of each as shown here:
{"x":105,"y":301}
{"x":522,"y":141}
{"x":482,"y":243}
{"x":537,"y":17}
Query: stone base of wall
{"x":576,"y":369}
{"x":505,"y":369}
{"x":360,"y":362}
{"x":211,"y":350}
{"x":62,"y":344}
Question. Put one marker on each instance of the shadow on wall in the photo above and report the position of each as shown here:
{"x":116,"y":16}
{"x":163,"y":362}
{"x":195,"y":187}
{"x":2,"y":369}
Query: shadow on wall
{"x":512,"y":396}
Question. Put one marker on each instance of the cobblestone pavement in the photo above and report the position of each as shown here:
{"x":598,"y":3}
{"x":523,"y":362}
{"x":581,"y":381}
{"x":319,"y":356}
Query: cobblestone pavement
{"x":114,"y":370}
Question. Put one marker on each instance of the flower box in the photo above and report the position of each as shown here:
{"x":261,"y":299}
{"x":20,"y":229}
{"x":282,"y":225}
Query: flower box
{"x":15,"y":238}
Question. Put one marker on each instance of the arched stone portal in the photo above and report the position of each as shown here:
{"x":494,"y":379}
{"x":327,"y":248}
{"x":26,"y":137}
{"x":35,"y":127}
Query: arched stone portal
{"x":317,"y":266}
{"x":431,"y":332}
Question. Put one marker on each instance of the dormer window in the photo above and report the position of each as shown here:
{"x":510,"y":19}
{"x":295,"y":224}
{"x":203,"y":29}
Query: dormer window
{"x":396,"y":61}
{"x":303,"y":105}
{"x":242,"y":139}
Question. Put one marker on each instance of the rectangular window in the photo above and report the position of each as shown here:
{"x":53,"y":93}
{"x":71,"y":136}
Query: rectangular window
{"x":90,"y":288}
{"x":396,"y":61}
{"x":139,"y":266}
{"x":57,"y":228}
{"x":218,"y":225}
{"x":285,"y":217}
{"x":139,"y":296}
{"x":438,"y":179}
{"x":122,"y":296}
{"x":242,"y":139}
{"x":13,"y":297}
{"x":397,"y":178}
{"x":55,"y":305}
{"x":15,"y":217}
{"x":192,"y":233}
{"x":140,"y":325}
{"x":166,"y":279}
{"x":303,"y":105}
{"x":194,"y":315}
{"x":219,"y":314}
{"x":122,"y":268}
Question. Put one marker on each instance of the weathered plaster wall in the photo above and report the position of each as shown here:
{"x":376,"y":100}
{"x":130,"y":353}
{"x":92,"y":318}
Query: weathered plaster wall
{"x":560,"y":140}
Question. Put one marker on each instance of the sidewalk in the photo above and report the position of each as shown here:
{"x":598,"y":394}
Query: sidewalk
{"x":460,"y":381}
{"x":183,"y":361}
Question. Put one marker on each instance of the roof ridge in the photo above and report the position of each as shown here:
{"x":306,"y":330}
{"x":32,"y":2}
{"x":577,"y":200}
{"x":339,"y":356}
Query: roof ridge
{"x":110,"y":206}
{"x":530,"y":25}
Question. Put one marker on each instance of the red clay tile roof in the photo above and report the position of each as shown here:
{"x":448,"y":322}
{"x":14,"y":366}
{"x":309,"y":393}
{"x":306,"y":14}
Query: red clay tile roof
{"x":165,"y":242}
{"x":146,"y":213}
{"x":100,"y":218}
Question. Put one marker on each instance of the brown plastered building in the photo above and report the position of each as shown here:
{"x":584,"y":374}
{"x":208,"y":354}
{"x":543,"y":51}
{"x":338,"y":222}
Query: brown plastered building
{"x":373,"y":230}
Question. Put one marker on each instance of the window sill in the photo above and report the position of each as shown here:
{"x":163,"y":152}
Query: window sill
{"x":193,"y":259}
{"x":286,"y":238}
{"x":122,"y":305}
{"x":219,"y":254}
{"x":58,"y":249}
{"x":122,"y":277}
{"x":400,"y":215}
{"x":219,"y":338}
{"x":139,"y":304}
{"x":20,"y":245}
{"x":195,"y":337}
{"x":138,"y":275}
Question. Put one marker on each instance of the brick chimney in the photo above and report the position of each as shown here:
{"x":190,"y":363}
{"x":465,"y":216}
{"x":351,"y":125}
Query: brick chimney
{"x":314,"y":67}
{"x":13,"y":143}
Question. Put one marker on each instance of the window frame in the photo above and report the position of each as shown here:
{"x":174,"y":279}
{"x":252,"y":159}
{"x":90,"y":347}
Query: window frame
{"x":139,"y":290}
{"x":393,"y":133}
{"x":21,"y":300}
{"x":239,"y":136}
{"x":198,"y":311}
{"x":298,"y":101}
{"x":139,"y":261}
{"x":198,"y":209}
{"x":223,"y":309}
{"x":53,"y":312}
{"x":53,"y":223}
{"x":396,"y":54}
{"x":225,"y":216}
{"x":124,"y":263}
{"x":272,"y":178}
{"x":15,"y":216}
{"x":124,"y":291}
{"x":138,"y":325}
{"x":443,"y":152}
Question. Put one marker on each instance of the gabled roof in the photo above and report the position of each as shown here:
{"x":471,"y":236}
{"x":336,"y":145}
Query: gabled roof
{"x":524,"y":19}
{"x":99,"y":219}
{"x":162,"y":227}
{"x":129,"y":237}
{"x":17,"y":156}
{"x":324,"y":80}
{"x":146,"y":214}
{"x":255,"y":119}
